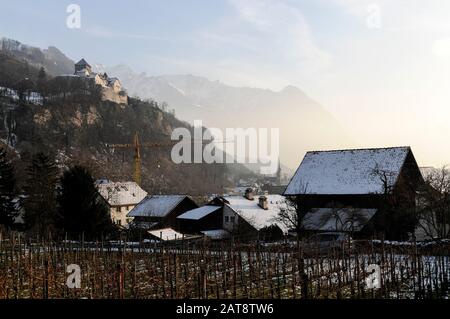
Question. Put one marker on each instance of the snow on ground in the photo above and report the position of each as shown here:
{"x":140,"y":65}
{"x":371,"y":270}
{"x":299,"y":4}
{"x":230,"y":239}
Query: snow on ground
{"x":216,"y":233}
{"x":31,"y":97}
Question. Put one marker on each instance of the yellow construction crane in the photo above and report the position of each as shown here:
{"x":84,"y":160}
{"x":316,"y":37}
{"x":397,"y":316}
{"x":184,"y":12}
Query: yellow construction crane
{"x":136,"y":145}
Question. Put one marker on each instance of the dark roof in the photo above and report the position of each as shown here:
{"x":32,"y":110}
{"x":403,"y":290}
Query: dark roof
{"x":82,"y":62}
{"x":344,"y":172}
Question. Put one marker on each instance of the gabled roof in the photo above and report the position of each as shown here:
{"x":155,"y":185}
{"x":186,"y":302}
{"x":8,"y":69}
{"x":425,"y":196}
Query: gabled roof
{"x":156,"y":206}
{"x":332,"y":219}
{"x":347,"y":171}
{"x":254,"y":214}
{"x":199,"y":213}
{"x":82,"y":62}
{"x":120,"y":193}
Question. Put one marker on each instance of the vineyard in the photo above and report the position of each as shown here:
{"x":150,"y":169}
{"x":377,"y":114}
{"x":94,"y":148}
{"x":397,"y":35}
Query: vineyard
{"x":201,"y":269}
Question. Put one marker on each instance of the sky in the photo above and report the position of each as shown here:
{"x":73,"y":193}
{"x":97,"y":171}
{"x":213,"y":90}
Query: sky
{"x":381,"y":67}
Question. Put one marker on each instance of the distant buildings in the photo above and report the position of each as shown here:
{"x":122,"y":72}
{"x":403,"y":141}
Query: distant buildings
{"x":358,"y":191}
{"x":121,"y":198}
{"x":244,"y":216}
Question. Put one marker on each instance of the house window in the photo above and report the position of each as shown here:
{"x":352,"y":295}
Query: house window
{"x":232,"y":219}
{"x":118,"y":209}
{"x":227,"y":219}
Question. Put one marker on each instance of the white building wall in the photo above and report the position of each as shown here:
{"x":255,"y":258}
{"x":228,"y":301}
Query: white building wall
{"x":119,"y":215}
{"x":230,"y":219}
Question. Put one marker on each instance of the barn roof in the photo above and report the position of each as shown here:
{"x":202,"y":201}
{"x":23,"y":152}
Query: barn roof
{"x":199,"y":213}
{"x":347,"y":171}
{"x":120,"y":193}
{"x":332,"y":219}
{"x":156,"y":206}
{"x":254,"y":214}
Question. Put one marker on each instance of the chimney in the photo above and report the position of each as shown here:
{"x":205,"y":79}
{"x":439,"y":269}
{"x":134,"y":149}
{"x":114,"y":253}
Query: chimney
{"x":263,"y":202}
{"x":249,"y":193}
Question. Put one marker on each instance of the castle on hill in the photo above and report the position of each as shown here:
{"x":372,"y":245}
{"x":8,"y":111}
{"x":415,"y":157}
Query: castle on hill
{"x":111,"y":87}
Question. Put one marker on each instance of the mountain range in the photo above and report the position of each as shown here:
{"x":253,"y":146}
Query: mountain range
{"x":304,"y":124}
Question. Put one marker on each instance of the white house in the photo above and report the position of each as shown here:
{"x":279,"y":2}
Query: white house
{"x":121,"y":198}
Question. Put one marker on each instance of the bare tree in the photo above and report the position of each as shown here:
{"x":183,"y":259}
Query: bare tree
{"x":396,"y":217}
{"x":348,"y":219}
{"x":288,"y":215}
{"x":434,"y":205}
{"x":294,"y":212}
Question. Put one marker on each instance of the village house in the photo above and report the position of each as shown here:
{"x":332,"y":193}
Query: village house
{"x":245,"y":216}
{"x":121,"y":198}
{"x":351,"y":190}
{"x":111,"y":87}
{"x":160,"y":211}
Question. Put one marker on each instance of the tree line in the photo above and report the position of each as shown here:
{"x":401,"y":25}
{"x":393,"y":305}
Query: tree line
{"x":25,"y":79}
{"x":52,"y":205}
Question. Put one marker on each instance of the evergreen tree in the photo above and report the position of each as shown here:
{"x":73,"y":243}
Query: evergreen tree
{"x":40,"y":203}
{"x":42,"y":82}
{"x":82,"y":209}
{"x":7,"y":187}
{"x":42,"y":74}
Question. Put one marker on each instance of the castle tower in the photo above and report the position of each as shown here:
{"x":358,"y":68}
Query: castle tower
{"x":83,"y":68}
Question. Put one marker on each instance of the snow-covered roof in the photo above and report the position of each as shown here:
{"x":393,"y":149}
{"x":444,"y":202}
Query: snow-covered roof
{"x":216,"y":233}
{"x":156,"y":205}
{"x":257,"y":216}
{"x":347,"y":171}
{"x":199,"y":213}
{"x":166,"y":234}
{"x":332,"y":219}
{"x":120,"y":193}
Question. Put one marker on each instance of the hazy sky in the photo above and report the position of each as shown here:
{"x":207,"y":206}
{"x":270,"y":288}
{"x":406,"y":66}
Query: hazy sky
{"x":381,"y":67}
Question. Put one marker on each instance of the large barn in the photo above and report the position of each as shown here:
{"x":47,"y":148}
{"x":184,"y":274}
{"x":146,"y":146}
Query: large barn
{"x":341,"y":185}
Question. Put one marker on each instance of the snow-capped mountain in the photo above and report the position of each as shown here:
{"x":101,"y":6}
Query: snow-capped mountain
{"x":304,"y":124}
